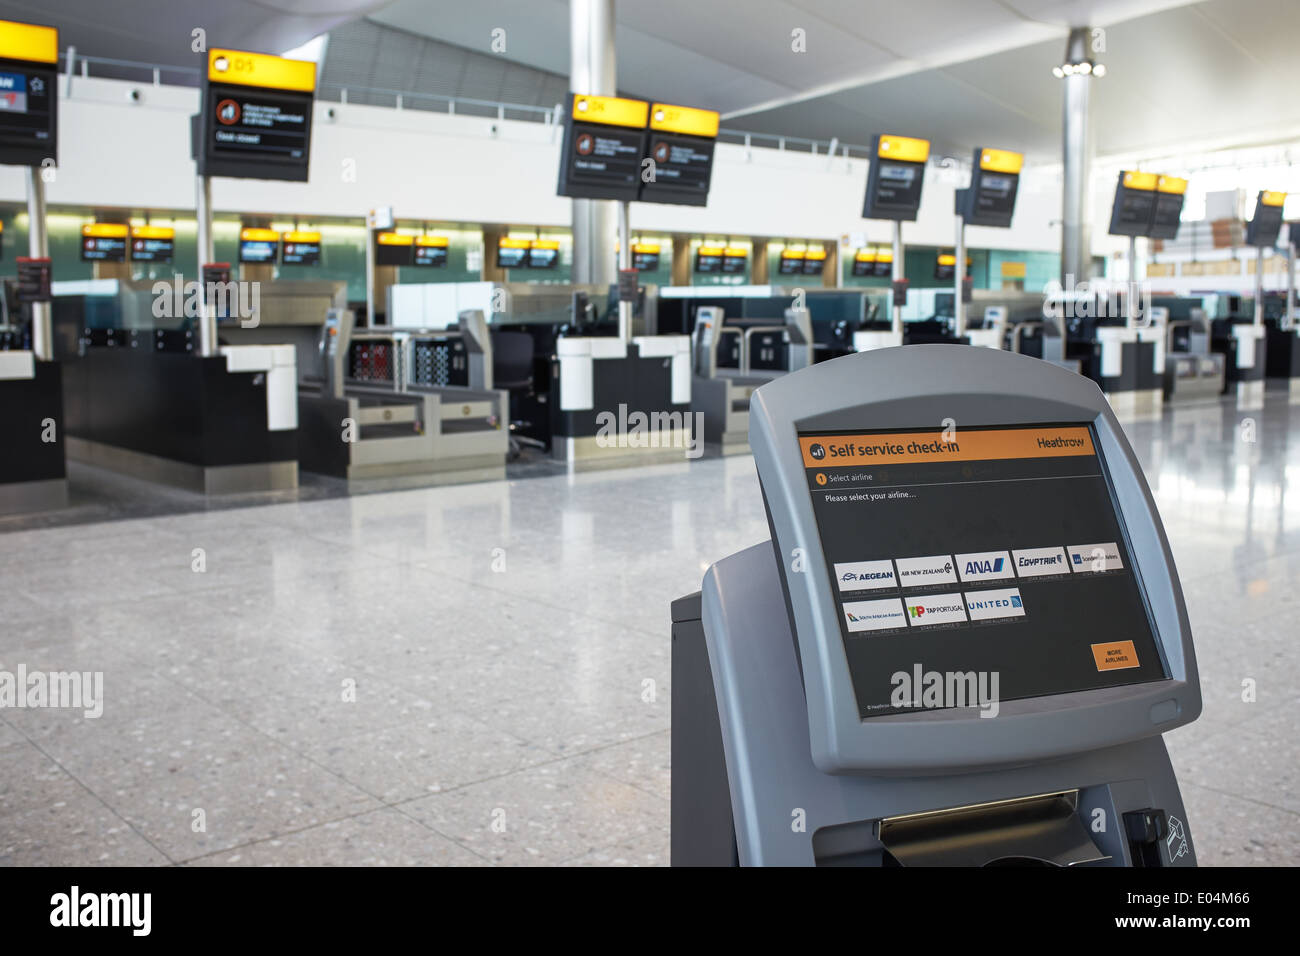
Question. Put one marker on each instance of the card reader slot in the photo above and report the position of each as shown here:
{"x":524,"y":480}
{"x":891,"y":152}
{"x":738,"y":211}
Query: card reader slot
{"x":1043,"y":830}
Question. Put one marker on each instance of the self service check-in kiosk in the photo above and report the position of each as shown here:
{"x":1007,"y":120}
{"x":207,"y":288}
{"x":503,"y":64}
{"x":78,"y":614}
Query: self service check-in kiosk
{"x":933,"y":662}
{"x":758,"y":352}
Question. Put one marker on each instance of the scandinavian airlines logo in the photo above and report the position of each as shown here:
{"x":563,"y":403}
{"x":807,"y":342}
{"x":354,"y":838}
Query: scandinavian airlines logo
{"x":1090,"y":558}
{"x":1035,"y":562}
{"x":874,"y":615}
{"x":990,"y":605}
{"x":865,"y":575}
{"x":920,"y":572}
{"x":935,"y":609}
{"x":985,"y":566}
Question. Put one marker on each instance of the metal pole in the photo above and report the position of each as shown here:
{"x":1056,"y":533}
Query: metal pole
{"x":1259,"y":286}
{"x":624,"y":262}
{"x":959,"y":280}
{"x":897,"y":325}
{"x":591,"y":71}
{"x":38,"y":247}
{"x":1130,"y":305}
{"x":370,"y":274}
{"x":1076,"y":247}
{"x":207,"y":317}
{"x":1290,"y":317}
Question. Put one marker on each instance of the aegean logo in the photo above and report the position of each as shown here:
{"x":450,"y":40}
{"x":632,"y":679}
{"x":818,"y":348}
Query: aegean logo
{"x":74,"y":908}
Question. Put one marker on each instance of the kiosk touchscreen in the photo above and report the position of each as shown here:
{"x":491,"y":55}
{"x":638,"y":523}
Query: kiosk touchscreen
{"x":962,"y":644}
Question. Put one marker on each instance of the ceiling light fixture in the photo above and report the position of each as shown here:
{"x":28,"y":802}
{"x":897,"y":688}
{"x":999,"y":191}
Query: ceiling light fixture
{"x":1080,"y":67}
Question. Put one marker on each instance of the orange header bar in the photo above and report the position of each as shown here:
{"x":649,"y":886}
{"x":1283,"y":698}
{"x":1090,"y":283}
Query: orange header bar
{"x":913,"y":448}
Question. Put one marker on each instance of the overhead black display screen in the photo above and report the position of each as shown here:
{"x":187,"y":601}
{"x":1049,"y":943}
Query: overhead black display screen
{"x":604,"y":143}
{"x":28,"y":113}
{"x":393,"y":249}
{"x":1135,"y":204}
{"x":680,"y":152}
{"x":300,"y":248}
{"x":791,"y":263}
{"x":734,"y":261}
{"x":103,"y":242}
{"x":153,"y":244}
{"x":955,"y":555}
{"x":895,"y":177}
{"x":258,"y":251}
{"x":431,"y":251}
{"x":708,"y":259}
{"x":645,"y":258}
{"x":543,"y":254}
{"x":1266,"y":224}
{"x":512,"y":253}
{"x":255,"y":117}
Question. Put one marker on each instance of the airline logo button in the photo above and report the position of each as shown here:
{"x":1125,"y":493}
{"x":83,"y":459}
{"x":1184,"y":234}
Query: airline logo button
{"x":989,"y":605}
{"x":922,"y":572}
{"x":1035,"y":562}
{"x":1115,"y":656}
{"x":865,"y":575}
{"x":985,"y":566}
{"x":874,"y":615}
{"x":935,"y":609}
{"x":1087,"y":558}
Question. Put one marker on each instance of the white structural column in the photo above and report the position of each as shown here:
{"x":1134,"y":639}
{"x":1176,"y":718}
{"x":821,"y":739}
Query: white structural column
{"x":38,"y":247}
{"x":1077,"y":151}
{"x":591,"y":71}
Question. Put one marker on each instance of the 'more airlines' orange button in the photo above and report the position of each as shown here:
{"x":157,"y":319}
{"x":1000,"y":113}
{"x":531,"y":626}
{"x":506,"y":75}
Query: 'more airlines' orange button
{"x":1115,"y":656}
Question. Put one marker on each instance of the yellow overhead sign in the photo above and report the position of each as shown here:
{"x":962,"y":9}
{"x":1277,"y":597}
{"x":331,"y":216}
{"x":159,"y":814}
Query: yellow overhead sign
{"x":904,"y":149}
{"x":434,"y":241}
{"x":1001,"y":160}
{"x":153,"y":232}
{"x":1171,"y":184}
{"x":261,"y":69}
{"x":815,"y":254}
{"x":610,"y":110}
{"x":105,"y":230}
{"x":252,"y":234}
{"x":544,"y":244}
{"x":394,"y":239}
{"x":1013,"y":270}
{"x":946,"y":259}
{"x":684,"y":119}
{"x":298,"y":235}
{"x":508,"y":243}
{"x":1273,"y":199}
{"x":865,"y":255}
{"x":646,"y":248}
{"x":26,"y":41}
{"x":1136,"y":180}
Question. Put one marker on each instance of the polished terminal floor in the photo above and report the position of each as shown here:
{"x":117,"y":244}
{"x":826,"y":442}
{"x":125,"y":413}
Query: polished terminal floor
{"x":479,"y":674}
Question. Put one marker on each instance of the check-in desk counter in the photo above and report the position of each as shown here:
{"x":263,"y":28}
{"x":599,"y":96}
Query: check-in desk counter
{"x":1282,"y":357}
{"x":1244,"y":346}
{"x":1193,"y":373}
{"x":140,"y":399}
{"x":33,"y":472}
{"x":404,"y":408}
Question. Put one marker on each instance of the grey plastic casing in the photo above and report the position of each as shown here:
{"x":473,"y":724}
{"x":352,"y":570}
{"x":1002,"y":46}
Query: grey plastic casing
{"x":914,"y":387}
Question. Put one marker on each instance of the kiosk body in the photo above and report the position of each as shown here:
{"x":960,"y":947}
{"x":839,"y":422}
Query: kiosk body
{"x":795,"y":722}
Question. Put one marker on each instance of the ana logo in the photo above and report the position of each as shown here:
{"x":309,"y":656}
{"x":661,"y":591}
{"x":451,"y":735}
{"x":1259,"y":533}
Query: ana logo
{"x":984,"y":567}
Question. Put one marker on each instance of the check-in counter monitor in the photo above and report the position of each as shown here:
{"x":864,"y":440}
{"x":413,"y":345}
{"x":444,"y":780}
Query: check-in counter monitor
{"x":968,"y":599}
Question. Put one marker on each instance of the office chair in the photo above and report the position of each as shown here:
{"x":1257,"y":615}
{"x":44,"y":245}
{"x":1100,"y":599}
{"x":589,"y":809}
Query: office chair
{"x":512,"y":370}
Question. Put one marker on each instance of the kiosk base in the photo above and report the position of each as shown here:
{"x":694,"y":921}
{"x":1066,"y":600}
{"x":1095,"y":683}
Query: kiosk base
{"x":745,"y":790}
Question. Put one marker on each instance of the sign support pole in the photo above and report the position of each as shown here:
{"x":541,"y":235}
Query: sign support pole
{"x":1259,"y":285}
{"x":370,"y":273}
{"x":1130,"y":300}
{"x":959,"y":280}
{"x":1290,"y":317}
{"x":38,"y":245}
{"x":207,"y":317}
{"x":624,"y":263}
{"x":897,"y":324}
